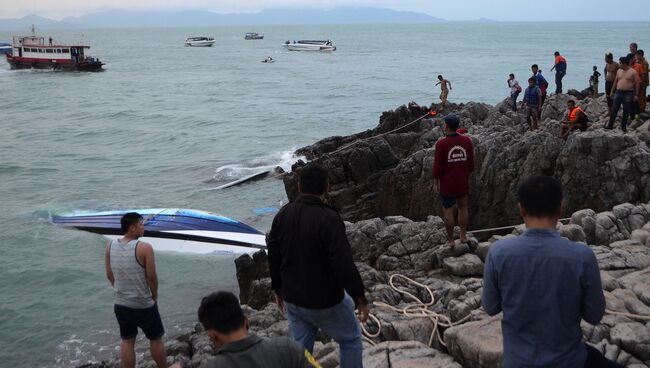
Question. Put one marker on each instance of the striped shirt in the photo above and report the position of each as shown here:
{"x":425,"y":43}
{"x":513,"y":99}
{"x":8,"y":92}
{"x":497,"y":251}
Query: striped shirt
{"x":131,"y":287}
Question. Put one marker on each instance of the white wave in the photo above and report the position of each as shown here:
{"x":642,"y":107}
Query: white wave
{"x":283,"y":159}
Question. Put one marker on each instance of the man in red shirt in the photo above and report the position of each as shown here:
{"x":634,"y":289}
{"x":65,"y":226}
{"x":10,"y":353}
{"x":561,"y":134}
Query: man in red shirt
{"x":453,"y":161}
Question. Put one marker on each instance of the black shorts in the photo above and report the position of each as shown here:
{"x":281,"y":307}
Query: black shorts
{"x":148,"y":319}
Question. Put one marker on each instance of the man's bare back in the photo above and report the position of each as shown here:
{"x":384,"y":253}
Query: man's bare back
{"x":610,"y":71}
{"x":626,"y":80}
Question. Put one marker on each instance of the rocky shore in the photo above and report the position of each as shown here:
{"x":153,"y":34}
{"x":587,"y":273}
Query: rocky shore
{"x":382,"y":186}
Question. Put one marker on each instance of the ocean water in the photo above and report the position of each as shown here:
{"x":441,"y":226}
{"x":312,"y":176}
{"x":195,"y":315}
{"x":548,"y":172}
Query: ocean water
{"x":165,"y":124}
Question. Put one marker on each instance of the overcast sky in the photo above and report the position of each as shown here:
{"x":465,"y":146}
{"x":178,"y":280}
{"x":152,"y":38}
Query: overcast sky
{"x":507,"y":10}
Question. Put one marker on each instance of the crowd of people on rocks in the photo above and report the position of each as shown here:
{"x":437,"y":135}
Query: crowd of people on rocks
{"x":626,"y":84}
{"x":544,"y":284}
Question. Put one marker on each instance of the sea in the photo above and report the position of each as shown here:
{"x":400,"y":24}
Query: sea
{"x":164,"y":124}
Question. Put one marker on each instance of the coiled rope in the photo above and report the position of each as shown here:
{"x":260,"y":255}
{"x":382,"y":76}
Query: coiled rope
{"x":416,"y":309}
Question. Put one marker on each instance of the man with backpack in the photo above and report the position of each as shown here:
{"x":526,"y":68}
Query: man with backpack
{"x":560,"y":71}
{"x":576,"y":119}
{"x":533,"y":102}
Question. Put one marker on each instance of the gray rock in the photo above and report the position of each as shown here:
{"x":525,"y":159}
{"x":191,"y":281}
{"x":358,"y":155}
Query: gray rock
{"x":476,"y":344}
{"x":406,"y":354}
{"x":633,"y":337}
{"x":465,"y":265}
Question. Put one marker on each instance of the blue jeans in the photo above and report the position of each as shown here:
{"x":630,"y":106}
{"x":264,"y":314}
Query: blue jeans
{"x":339,"y":322}
{"x":627,"y":99}
{"x":513,"y":97}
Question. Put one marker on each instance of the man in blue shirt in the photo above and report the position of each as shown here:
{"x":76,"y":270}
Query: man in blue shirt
{"x":545,"y":285}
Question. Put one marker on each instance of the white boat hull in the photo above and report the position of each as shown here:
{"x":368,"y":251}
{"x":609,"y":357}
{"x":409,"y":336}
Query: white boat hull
{"x":199,"y":43}
{"x":308,"y":47}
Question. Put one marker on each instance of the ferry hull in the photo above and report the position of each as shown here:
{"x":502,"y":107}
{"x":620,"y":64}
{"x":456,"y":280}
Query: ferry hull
{"x":65,"y":65}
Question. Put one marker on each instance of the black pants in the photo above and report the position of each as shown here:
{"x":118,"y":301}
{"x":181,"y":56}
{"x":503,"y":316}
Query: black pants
{"x":595,"y":359}
{"x":558,"y":81}
{"x":608,"y":90}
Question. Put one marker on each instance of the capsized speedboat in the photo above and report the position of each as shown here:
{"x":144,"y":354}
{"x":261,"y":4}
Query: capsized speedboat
{"x":173,"y":229}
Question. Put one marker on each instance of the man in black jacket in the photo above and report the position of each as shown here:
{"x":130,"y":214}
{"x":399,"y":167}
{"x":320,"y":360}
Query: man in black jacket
{"x":312,"y":271}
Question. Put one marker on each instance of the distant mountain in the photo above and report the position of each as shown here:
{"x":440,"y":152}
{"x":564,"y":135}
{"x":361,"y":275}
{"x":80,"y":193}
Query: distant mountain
{"x":25,"y":23}
{"x":122,"y":18}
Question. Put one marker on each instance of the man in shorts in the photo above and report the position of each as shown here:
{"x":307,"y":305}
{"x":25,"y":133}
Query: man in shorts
{"x":444,"y":91}
{"x":611,"y":67}
{"x":533,"y":103}
{"x":131,"y":269}
{"x":452,"y":165}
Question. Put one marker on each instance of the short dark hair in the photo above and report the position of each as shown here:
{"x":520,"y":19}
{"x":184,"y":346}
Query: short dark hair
{"x":639,"y":52}
{"x":624,"y":60}
{"x":534,"y":66}
{"x":634,"y":44}
{"x":595,"y":67}
{"x":221,"y":311}
{"x":531,"y":79}
{"x":571,"y":102}
{"x":512,"y":74}
{"x":557,"y":53}
{"x":439,"y":76}
{"x":129,"y":219}
{"x":313,"y":179}
{"x":609,"y":55}
{"x":540,"y":196}
{"x":453,"y":121}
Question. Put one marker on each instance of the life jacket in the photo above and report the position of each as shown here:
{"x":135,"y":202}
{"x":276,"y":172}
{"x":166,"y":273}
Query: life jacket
{"x":574,"y":118}
{"x":573,"y":114}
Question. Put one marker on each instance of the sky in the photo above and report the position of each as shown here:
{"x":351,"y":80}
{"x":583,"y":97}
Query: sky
{"x":504,"y":10}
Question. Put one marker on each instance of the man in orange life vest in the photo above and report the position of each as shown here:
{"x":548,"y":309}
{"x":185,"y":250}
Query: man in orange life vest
{"x":576,"y":119}
{"x":453,"y":162}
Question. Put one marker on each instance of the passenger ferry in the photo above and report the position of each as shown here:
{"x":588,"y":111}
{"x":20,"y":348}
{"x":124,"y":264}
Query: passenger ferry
{"x":33,"y":52}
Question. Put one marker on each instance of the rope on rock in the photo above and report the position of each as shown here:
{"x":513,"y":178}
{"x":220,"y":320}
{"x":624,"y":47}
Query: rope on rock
{"x":417,"y":309}
{"x":430,"y":113}
{"x":628,"y":315}
{"x":506,"y":227}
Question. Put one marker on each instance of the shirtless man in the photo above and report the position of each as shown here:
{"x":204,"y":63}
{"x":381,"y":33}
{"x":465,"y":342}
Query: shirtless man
{"x":625,"y":91}
{"x":444,"y":91}
{"x":611,"y":67}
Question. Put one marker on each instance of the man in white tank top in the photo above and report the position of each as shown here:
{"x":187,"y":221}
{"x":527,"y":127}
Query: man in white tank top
{"x":131,"y":269}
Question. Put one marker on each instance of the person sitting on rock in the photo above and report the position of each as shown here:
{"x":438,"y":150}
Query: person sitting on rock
{"x":545,"y":285}
{"x":452,"y":165}
{"x":227,"y":327}
{"x":312,"y":270}
{"x":576,"y":119}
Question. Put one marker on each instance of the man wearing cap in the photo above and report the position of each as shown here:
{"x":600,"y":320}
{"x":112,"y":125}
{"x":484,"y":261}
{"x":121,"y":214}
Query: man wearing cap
{"x":453,"y":162}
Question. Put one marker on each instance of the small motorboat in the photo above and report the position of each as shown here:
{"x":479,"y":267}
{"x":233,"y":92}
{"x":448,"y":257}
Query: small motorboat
{"x":253,"y":36}
{"x":309,"y":45}
{"x":5,"y":48}
{"x":199,"y":41}
{"x":173,"y":229}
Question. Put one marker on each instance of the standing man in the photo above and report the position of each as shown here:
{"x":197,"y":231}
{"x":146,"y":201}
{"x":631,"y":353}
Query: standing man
{"x":131,"y":269}
{"x":633,"y":49}
{"x":625,"y":91}
{"x":312,"y":271}
{"x":452,"y":164}
{"x":545,"y":285}
{"x":611,"y":67}
{"x":542,"y":84}
{"x":560,"y":71}
{"x":444,"y":92}
{"x":641,"y":67}
{"x":515,"y":90}
{"x":533,"y":103}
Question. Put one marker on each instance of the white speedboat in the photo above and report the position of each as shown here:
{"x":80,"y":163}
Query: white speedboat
{"x":5,"y":48}
{"x":199,"y":41}
{"x":309,"y":45}
{"x":173,"y":229}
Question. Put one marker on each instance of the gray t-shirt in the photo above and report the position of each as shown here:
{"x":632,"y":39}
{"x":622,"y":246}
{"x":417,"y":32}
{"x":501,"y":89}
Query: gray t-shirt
{"x":254,"y":352}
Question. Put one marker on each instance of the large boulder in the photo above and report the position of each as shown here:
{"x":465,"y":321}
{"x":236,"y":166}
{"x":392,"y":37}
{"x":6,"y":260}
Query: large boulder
{"x":476,"y":344}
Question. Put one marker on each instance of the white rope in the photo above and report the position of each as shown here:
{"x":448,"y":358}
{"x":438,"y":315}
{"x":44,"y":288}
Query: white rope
{"x":416,"y":309}
{"x":380,"y":135}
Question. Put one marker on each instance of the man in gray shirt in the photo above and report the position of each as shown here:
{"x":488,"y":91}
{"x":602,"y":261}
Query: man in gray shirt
{"x":227,"y":327}
{"x":545,"y":285}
